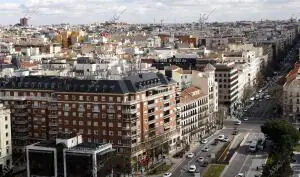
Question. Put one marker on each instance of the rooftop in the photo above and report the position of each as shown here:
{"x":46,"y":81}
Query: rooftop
{"x":129,"y":84}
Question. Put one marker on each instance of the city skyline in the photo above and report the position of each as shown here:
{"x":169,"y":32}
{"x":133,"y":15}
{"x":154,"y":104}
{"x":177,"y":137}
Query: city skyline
{"x":90,"y":11}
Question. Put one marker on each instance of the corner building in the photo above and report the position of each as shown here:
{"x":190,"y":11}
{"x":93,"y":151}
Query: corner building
{"x":137,"y":114}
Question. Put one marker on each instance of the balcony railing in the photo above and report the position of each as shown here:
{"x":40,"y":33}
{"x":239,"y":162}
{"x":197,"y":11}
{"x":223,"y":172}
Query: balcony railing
{"x":151,"y":121}
{"x":95,"y":110}
{"x":81,"y":109}
{"x":21,"y":113}
{"x":52,"y":108}
{"x":126,"y":136}
{"x":52,"y":116}
{"x":22,"y":130}
{"x":126,"y":128}
{"x":110,"y":111}
{"x":67,"y":108}
{"x":53,"y":124}
{"x":52,"y":132}
{"x":22,"y":106}
{"x":21,"y":122}
{"x":129,"y":111}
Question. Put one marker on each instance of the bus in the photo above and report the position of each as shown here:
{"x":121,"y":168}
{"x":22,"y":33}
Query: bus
{"x":252,"y":146}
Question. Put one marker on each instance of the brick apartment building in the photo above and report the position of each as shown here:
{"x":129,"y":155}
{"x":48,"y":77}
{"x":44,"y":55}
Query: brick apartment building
{"x":137,"y":114}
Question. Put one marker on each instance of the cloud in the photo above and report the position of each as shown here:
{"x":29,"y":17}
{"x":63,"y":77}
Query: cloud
{"x":89,"y":11}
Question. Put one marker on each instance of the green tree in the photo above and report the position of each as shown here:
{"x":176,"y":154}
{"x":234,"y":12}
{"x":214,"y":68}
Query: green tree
{"x":284,"y":137}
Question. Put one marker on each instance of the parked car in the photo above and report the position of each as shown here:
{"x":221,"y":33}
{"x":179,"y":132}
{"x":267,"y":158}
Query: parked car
{"x":235,"y":132}
{"x":204,"y":164}
{"x":192,"y":168}
{"x":204,"y":141}
{"x":205,"y":149}
{"x":246,"y":118}
{"x":221,"y":137}
{"x":167,"y":175}
{"x":238,"y":122}
{"x":215,"y":142}
{"x":226,"y":139}
{"x":240,"y":175}
{"x":200,"y":159}
{"x":190,"y":155}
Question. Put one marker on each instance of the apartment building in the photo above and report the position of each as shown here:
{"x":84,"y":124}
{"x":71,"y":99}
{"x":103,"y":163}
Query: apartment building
{"x":5,"y":140}
{"x":68,"y":156}
{"x":226,"y":75}
{"x":137,"y":114}
{"x":291,"y":96}
{"x":193,"y":115}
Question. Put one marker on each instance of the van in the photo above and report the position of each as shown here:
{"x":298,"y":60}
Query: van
{"x":253,"y":146}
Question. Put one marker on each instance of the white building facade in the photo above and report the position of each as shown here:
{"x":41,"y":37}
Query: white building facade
{"x":5,"y":139}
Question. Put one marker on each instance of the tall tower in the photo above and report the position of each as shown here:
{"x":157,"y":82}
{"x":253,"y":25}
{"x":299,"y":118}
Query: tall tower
{"x":24,"y":21}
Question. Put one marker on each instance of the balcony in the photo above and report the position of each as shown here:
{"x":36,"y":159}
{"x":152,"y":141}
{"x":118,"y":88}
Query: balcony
{"x":21,"y":114}
{"x":126,"y":136}
{"x":81,"y":109}
{"x":166,"y":116}
{"x":52,"y":107}
{"x":52,"y":132}
{"x":166,"y":125}
{"x":126,"y":128}
{"x":52,"y":116}
{"x":21,"y":130}
{"x":21,"y":122}
{"x":110,"y":111}
{"x":152,"y":105}
{"x":67,"y":108}
{"x":22,"y":106}
{"x":129,"y":111}
{"x":151,"y":113}
{"x":53,"y":124}
{"x":166,"y":108}
{"x":95,"y":110}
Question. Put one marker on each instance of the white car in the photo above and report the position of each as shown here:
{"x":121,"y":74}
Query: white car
{"x":246,"y":118}
{"x":240,"y":175}
{"x":221,"y":137}
{"x":200,"y":159}
{"x":167,"y":175}
{"x":226,"y":139}
{"x":192,"y":168}
{"x":190,"y":155}
{"x":205,"y":149}
{"x":204,"y":141}
{"x":238,"y":122}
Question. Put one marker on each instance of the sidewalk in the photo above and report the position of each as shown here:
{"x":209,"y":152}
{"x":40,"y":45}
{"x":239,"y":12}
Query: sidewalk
{"x":178,"y":161}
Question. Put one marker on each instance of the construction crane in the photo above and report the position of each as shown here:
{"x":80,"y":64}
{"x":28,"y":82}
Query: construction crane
{"x":116,"y":16}
{"x":203,"y":18}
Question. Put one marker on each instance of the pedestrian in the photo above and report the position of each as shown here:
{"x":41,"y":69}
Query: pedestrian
{"x":257,"y":168}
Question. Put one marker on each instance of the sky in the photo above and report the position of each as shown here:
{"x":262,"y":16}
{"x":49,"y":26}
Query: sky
{"x":144,"y":11}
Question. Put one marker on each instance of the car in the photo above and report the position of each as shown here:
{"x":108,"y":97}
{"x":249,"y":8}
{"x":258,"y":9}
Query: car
{"x":235,"y":132}
{"x":215,"y":142}
{"x":192,"y":168}
{"x":190,"y":155}
{"x":240,"y":175}
{"x":205,"y":149}
{"x":167,"y":175}
{"x":221,"y":137}
{"x":238,"y":122}
{"x":246,"y":118}
{"x":204,"y":141}
{"x":204,"y":164}
{"x":200,"y":159}
{"x":226,"y":139}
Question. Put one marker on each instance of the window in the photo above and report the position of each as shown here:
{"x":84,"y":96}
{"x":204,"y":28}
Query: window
{"x":6,"y":134}
{"x":119,"y":108}
{"x":88,"y":98}
{"x":66,"y":122}
{"x":81,"y":98}
{"x":5,"y":118}
{"x":111,"y":133}
{"x":66,"y":113}
{"x":95,"y":124}
{"x":74,"y":122}
{"x":73,"y":105}
{"x":73,"y":113}
{"x":89,"y":131}
{"x":104,"y":116}
{"x":119,"y":133}
{"x":111,"y":124}
{"x":111,"y":99}
{"x":66,"y":97}
{"x":119,"y":141}
{"x":6,"y":126}
{"x":81,"y":123}
{"x":88,"y":106}
{"x":118,"y":99}
{"x":73,"y":97}
{"x":89,"y":123}
{"x":103,"y":132}
{"x":95,"y":132}
{"x":104,"y":124}
{"x":119,"y":124}
{"x":103,"y":98}
{"x":80,"y":114}
{"x":103,"y":107}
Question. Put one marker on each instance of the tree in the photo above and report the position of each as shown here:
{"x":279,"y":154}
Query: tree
{"x":284,"y":137}
{"x":247,"y":92}
{"x":260,"y":79}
